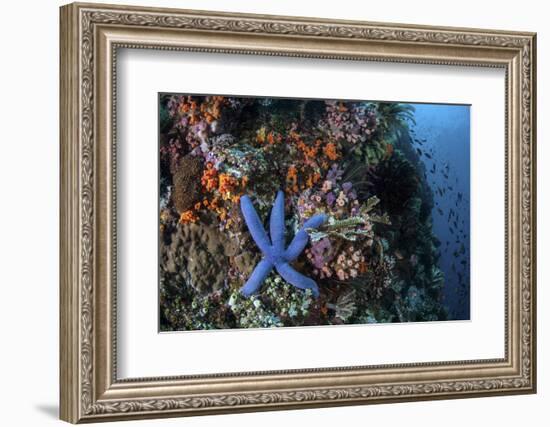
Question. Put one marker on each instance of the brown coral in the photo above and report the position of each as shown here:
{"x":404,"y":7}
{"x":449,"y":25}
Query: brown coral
{"x":246,"y":261}
{"x":187,"y":184}
{"x":199,"y":254}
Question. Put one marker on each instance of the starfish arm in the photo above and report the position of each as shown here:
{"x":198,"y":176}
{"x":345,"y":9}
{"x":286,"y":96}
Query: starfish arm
{"x":257,"y":278}
{"x":297,"y":279}
{"x":277,"y":222}
{"x":315,"y":221}
{"x":301,"y":238}
{"x":255,"y":225}
{"x":297,"y":245}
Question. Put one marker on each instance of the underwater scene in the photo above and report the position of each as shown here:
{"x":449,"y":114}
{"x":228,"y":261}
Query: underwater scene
{"x":279,"y":212}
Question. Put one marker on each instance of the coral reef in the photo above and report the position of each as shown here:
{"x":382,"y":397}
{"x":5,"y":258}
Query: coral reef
{"x":355,"y":245}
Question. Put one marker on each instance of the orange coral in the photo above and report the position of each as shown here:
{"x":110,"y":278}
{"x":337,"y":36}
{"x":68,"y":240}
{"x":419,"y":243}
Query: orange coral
{"x":214,"y":203}
{"x":273,"y":138}
{"x":188,"y":216}
{"x":209,"y":178}
{"x":330,"y":151}
{"x":208,"y":110}
{"x":228,"y":184}
{"x":309,"y":152}
{"x":292,"y":179}
{"x":260,"y":135}
{"x":313,"y":179}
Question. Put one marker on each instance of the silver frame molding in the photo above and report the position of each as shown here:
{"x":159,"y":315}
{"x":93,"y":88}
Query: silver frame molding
{"x":90,"y":37}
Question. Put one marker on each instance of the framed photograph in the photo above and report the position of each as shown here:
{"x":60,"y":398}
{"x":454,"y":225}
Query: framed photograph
{"x":267,"y":212}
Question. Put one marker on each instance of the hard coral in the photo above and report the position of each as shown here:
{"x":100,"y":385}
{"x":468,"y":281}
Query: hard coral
{"x":187,"y":185}
{"x":199,"y":254}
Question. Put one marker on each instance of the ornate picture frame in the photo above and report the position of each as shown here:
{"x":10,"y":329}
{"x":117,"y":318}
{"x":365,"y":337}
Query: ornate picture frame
{"x":90,"y":37}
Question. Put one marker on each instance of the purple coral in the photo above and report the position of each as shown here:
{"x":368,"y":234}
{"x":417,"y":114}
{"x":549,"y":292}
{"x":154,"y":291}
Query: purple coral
{"x":321,"y":253}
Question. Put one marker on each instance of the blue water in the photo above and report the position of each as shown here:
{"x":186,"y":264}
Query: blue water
{"x":442,"y":132}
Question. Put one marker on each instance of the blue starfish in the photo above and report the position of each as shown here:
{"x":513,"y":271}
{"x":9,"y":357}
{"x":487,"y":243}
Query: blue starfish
{"x":274,"y":253}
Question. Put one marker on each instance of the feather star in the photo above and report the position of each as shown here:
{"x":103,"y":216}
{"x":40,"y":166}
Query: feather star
{"x":274,"y":253}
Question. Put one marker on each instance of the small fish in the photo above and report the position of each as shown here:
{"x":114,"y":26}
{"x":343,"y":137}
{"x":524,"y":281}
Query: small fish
{"x":429,"y":156}
{"x":419,"y":151}
{"x":451,"y":230}
{"x":440,"y":211}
